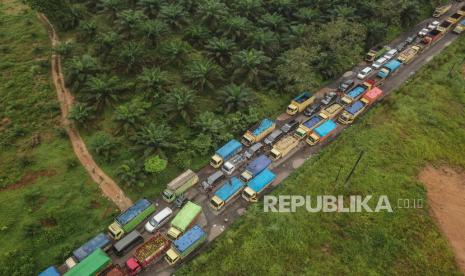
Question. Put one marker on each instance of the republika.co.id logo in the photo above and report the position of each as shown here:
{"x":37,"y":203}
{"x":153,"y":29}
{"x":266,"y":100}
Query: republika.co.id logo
{"x":331,"y":203}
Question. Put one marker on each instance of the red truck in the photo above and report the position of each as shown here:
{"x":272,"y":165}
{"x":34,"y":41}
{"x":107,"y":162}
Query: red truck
{"x":148,"y":252}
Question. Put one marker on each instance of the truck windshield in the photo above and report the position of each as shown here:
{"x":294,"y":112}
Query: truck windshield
{"x":167,"y":193}
{"x":274,"y":155}
{"x":310,"y":139}
{"x":215,"y":203}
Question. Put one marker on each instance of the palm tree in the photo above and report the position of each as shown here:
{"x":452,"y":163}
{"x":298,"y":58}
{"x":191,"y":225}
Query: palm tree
{"x":235,"y":97}
{"x":105,"y":44}
{"x":103,"y":90}
{"x":175,"y":51}
{"x":181,"y":102}
{"x":212,"y":12}
{"x":88,"y":30}
{"x":128,"y":172}
{"x":128,"y":115}
{"x":202,"y":73}
{"x":150,"y":7}
{"x":153,"y":80}
{"x":208,"y":123}
{"x":220,"y":49}
{"x":248,"y":8}
{"x":196,"y":34}
{"x":174,"y":14}
{"x":264,"y":40}
{"x":81,"y":113}
{"x":128,"y":20}
{"x":272,"y":21}
{"x":152,"y":138}
{"x":251,"y":65}
{"x":236,"y":27}
{"x":79,"y":69}
{"x":111,"y":7}
{"x":308,"y":15}
{"x":153,"y":30}
{"x":130,"y":56}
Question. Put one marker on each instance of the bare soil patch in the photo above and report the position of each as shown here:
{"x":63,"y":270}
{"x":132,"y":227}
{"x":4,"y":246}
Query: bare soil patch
{"x":446,"y":196}
{"x":29,"y":178}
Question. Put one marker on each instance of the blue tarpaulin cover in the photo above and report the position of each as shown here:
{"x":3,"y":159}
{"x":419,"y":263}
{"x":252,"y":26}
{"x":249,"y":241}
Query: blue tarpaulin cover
{"x":355,"y":107}
{"x":99,"y":241}
{"x":258,"y":164}
{"x":262,"y":180}
{"x":354,"y":93}
{"x":325,"y":128}
{"x":51,"y":271}
{"x":315,"y":119}
{"x":133,"y":211}
{"x":264,"y":125}
{"x":189,"y":238}
{"x":229,"y":188}
{"x":229,"y":148}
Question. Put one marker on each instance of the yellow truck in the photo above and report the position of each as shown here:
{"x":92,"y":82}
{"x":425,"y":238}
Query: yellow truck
{"x":331,"y":111}
{"x":408,"y":54}
{"x":299,"y":103}
{"x":459,"y":28}
{"x":439,"y":11}
{"x":258,"y":132}
{"x":445,"y":26}
{"x":456,"y":17}
{"x":283,"y":147}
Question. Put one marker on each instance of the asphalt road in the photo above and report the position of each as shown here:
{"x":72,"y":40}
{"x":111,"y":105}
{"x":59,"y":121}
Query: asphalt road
{"x":215,"y":223}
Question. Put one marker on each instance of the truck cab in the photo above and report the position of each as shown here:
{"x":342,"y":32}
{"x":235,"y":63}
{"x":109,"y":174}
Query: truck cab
{"x":299,"y":103}
{"x":172,"y":257}
{"x":216,"y":161}
{"x":230,"y":166}
{"x":133,"y":266}
{"x":173,"y":233}
{"x":115,"y":231}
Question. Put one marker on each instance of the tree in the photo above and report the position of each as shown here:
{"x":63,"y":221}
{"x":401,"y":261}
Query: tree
{"x":152,"y":138}
{"x":130,"y":114}
{"x":129,"y":172}
{"x":220,"y":49}
{"x":79,"y":69}
{"x":212,"y":12}
{"x":236,"y":27}
{"x":111,"y":7}
{"x":266,"y":41}
{"x":235,"y":97}
{"x":175,"y":51}
{"x":181,"y":102}
{"x":155,"y":164}
{"x":153,"y":30}
{"x":203,"y":73}
{"x":105,"y":43}
{"x":128,"y":20}
{"x":87,"y":30}
{"x":196,"y":34}
{"x":150,"y":7}
{"x":103,"y":145}
{"x":103,"y":90}
{"x":174,"y":14}
{"x":153,"y":81}
{"x":209,"y":124}
{"x":81,"y":113}
{"x":130,"y":56}
{"x":274,"y":21}
{"x":250,"y":65}
{"x":64,"y":49}
{"x":202,"y":144}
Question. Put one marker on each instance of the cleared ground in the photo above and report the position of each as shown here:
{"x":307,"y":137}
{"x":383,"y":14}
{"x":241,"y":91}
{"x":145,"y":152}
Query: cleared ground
{"x":420,"y":123}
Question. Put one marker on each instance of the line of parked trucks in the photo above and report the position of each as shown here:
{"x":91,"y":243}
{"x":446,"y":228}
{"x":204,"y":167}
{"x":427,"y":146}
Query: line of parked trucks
{"x":184,"y":234}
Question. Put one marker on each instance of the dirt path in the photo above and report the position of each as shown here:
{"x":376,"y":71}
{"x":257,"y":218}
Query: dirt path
{"x":107,"y":185}
{"x":446,"y":197}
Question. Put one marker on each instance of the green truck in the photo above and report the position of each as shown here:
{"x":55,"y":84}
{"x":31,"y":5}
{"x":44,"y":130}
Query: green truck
{"x":179,"y":185}
{"x":184,"y":220}
{"x":129,"y":219}
{"x":91,"y":265}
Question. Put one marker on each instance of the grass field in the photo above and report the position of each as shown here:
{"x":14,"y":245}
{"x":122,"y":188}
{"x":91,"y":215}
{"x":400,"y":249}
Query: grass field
{"x":421,"y":123}
{"x":48,"y":204}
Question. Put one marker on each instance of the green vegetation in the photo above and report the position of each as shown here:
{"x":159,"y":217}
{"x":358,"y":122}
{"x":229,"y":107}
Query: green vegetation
{"x":178,"y":78}
{"x":48,"y":205}
{"x":420,"y":123}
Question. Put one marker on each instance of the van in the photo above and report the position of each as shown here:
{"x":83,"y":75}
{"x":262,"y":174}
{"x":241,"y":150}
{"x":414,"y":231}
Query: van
{"x":126,"y":244}
{"x":158,"y":220}
{"x":208,"y":183}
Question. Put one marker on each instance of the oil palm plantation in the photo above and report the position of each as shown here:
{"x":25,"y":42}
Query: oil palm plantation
{"x":153,"y":138}
{"x":235,"y":97}
{"x":203,"y":74}
{"x":79,"y":70}
{"x":102,"y":91}
{"x":181,"y":102}
{"x":250,"y":66}
{"x":153,"y":82}
{"x":221,"y":49}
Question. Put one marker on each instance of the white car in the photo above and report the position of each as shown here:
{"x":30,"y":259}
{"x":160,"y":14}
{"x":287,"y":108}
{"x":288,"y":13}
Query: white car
{"x":364,"y":72}
{"x":379,"y":62}
{"x":390,"y":54}
{"x":433,"y":25}
{"x":157,"y":221}
{"x":423,"y":32}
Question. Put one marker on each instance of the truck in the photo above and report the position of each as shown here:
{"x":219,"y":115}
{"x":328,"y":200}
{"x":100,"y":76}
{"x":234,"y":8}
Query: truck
{"x":331,"y":111}
{"x":255,"y":167}
{"x":389,"y":69}
{"x":180,"y":185}
{"x":351,"y":112}
{"x":299,"y":103}
{"x":226,"y":193}
{"x":372,"y":96}
{"x":322,"y":132}
{"x":444,"y":26}
{"x":408,"y":54}
{"x":129,"y":219}
{"x":185,"y":218}
{"x":376,"y":52}
{"x":459,"y":28}
{"x":456,"y":17}
{"x":284,"y":147}
{"x":356,"y":92}
{"x":258,"y":132}
{"x":185,"y":245}
{"x":439,"y":11}
{"x":430,"y":38}
{"x":100,"y":241}
{"x":225,"y":153}
{"x":93,"y":264}
{"x":257,"y":185}
{"x":148,"y":252}
{"x":308,"y":125}
{"x":50,"y":271}
{"x":232,"y":164}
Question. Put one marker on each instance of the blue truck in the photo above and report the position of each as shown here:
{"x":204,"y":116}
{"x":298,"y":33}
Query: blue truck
{"x":308,"y":125}
{"x":100,"y":241}
{"x":257,"y":185}
{"x":322,"y":132}
{"x":225,"y":152}
{"x":351,"y":112}
{"x":357,"y":92}
{"x":226,"y":193}
{"x":389,"y":69}
{"x":258,"y":132}
{"x":50,"y":271}
{"x":187,"y":243}
{"x":255,"y":167}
